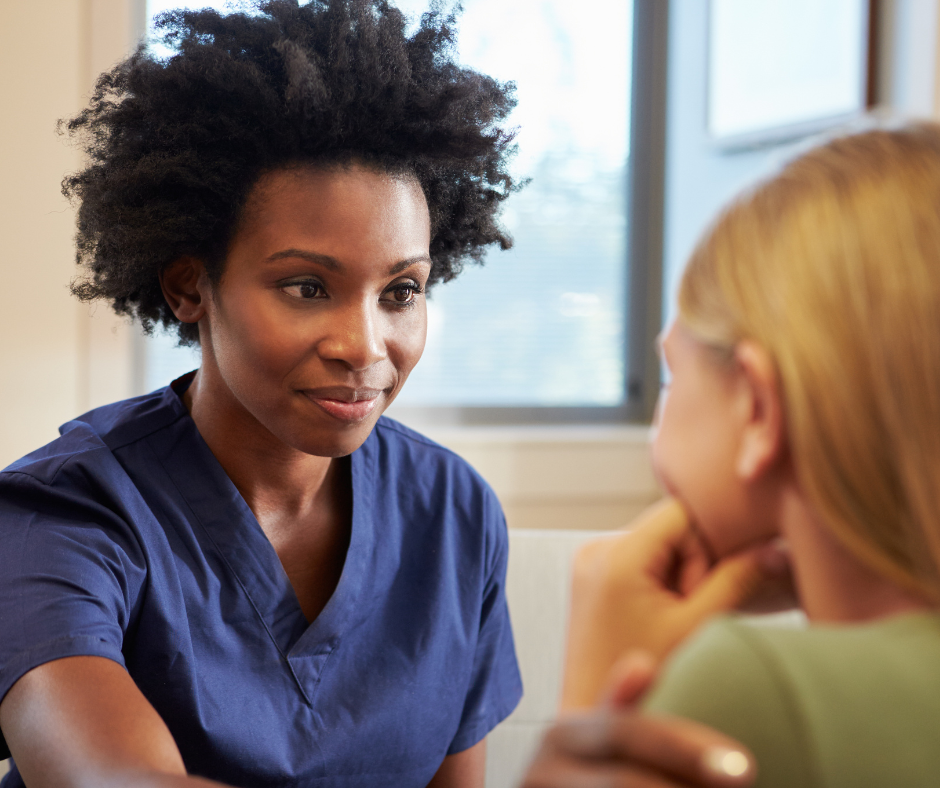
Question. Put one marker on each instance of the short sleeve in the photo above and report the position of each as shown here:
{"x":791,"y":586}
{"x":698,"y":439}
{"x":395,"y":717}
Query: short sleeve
{"x":723,"y":678}
{"x":70,"y":568}
{"x":495,"y":685}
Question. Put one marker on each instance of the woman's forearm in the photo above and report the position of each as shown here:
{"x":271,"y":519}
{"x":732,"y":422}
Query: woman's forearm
{"x":154,"y":780}
{"x":81,"y":722}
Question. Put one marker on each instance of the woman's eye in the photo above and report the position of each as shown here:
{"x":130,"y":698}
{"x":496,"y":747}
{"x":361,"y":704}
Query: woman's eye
{"x":305,"y":290}
{"x":404,"y":294}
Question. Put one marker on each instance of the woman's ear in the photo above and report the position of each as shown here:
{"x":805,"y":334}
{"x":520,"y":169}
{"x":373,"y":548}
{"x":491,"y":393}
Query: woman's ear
{"x":763,"y":438}
{"x":186,"y":289}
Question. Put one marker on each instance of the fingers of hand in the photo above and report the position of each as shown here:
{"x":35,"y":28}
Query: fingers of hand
{"x":551,"y":773}
{"x":648,"y":546}
{"x":630,"y":678}
{"x":677,"y":748}
{"x":730,"y":584}
{"x":660,"y":536}
{"x":694,"y":561}
{"x":663,"y":517}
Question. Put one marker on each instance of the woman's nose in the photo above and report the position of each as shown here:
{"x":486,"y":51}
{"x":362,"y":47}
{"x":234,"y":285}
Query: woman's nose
{"x":354,"y":338}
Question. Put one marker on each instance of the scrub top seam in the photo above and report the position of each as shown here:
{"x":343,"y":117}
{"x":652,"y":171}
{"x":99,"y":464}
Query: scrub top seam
{"x":142,"y":437}
{"x":405,"y":432}
{"x":35,"y":478}
{"x":238,"y":579}
{"x":104,"y":445}
{"x":316,"y":685}
{"x":50,"y":480}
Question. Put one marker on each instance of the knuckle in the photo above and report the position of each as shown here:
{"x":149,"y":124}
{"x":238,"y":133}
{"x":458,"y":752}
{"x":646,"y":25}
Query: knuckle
{"x":540,"y":774}
{"x":585,"y":557}
{"x":553,"y":739}
{"x":641,"y":779}
{"x":593,"y":559}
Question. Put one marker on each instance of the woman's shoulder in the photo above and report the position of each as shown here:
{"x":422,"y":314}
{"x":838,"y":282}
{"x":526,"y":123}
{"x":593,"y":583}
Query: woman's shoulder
{"x":727,"y":677}
{"x":818,"y":705}
{"x":726,"y":662}
{"x":94,"y":435}
{"x":388,"y":429}
{"x":433,"y":491}
{"x":780,"y":643}
{"x":403,"y":449}
{"x":821,"y":656}
{"x":83,"y":467}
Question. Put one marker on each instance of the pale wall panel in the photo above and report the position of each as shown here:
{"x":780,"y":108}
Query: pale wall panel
{"x":55,"y":359}
{"x":576,"y":514}
{"x":41,"y":57}
{"x":562,"y":478}
{"x":537,"y":583}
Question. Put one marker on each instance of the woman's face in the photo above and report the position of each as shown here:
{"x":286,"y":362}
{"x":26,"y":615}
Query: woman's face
{"x":319,"y":316}
{"x":699,"y":426}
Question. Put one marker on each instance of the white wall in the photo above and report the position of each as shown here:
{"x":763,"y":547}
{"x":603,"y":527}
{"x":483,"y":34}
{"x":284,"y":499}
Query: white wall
{"x":907,"y":81}
{"x":54,"y":360}
{"x":537,"y":591}
{"x":38,"y":319}
{"x":561,"y":477}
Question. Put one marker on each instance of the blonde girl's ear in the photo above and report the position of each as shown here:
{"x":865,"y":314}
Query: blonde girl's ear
{"x":763,"y":432}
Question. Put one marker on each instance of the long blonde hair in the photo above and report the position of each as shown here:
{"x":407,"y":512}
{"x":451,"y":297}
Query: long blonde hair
{"x":833,"y":266}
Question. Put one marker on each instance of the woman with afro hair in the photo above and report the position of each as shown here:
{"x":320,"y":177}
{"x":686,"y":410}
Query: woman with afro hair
{"x":250,"y":577}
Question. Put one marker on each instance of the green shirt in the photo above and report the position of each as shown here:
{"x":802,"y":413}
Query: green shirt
{"x":828,"y":706}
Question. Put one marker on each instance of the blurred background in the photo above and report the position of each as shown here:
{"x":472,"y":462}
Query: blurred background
{"x":637,"y":120}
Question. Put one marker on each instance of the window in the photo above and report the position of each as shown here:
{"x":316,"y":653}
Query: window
{"x":543,"y":323}
{"x":785,"y":68}
{"x":544,"y":331}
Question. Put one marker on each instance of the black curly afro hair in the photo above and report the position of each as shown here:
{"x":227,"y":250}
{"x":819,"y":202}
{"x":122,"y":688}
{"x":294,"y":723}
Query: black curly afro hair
{"x":175,"y":144}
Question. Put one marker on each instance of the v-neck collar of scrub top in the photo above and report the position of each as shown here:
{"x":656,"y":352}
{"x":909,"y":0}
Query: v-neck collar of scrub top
{"x":233,"y":530}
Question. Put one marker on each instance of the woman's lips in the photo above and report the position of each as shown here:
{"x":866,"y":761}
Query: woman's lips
{"x":349,"y":405}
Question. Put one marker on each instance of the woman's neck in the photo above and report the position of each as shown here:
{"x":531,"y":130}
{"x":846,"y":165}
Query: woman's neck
{"x":268,"y":474}
{"x":833,"y":585}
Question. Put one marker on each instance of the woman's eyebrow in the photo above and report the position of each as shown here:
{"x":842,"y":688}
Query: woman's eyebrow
{"x":330,"y":263}
{"x":401,"y":266}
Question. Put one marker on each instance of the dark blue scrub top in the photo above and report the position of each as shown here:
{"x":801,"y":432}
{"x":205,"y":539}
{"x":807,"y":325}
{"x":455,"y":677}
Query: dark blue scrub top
{"x":125,"y":539}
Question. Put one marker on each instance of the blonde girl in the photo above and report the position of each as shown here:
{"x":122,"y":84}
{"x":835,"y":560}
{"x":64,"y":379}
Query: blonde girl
{"x":803,"y":403}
